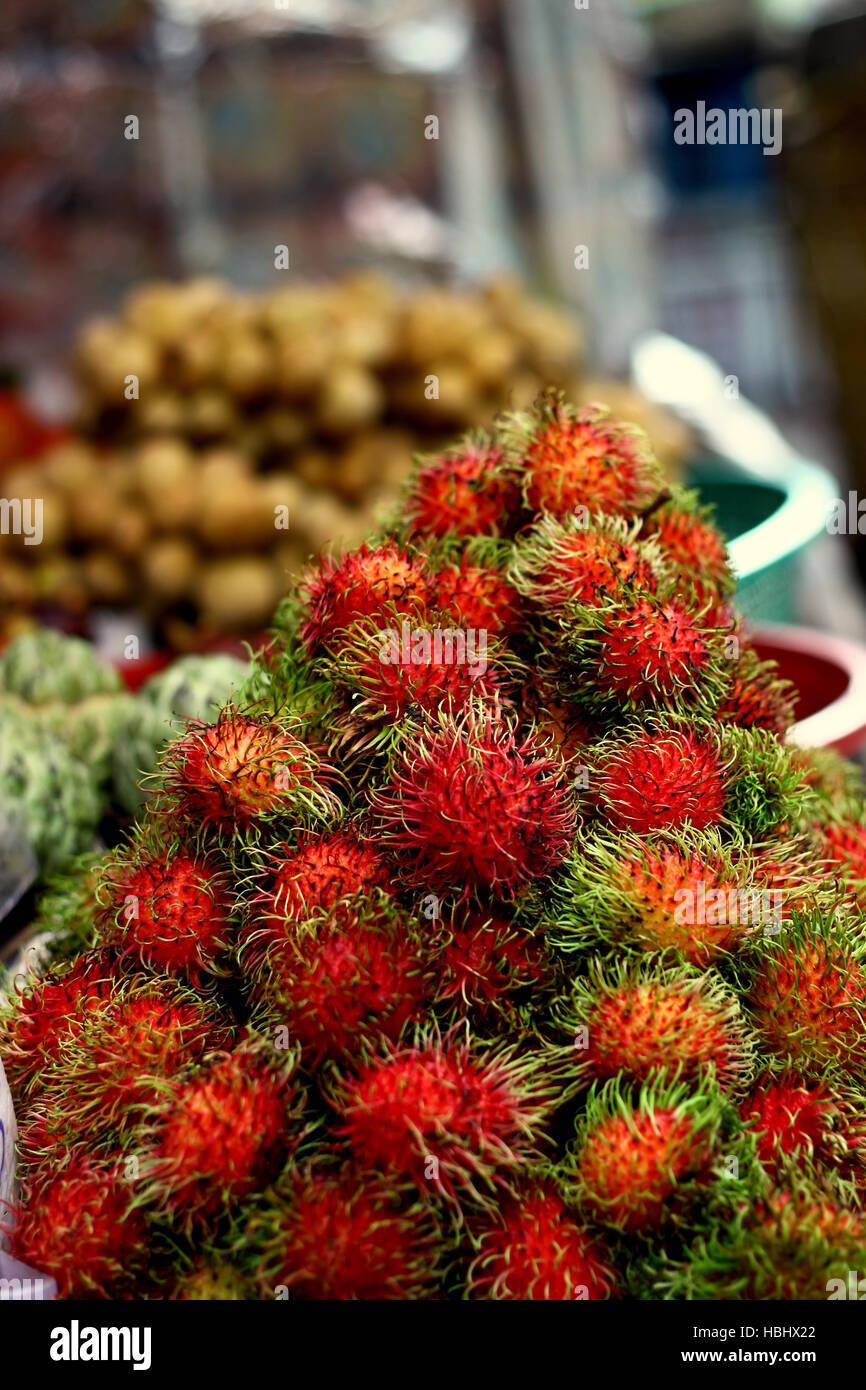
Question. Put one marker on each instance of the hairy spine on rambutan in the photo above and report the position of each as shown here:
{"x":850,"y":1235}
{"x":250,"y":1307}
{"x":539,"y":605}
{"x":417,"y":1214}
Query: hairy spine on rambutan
{"x":756,"y":698}
{"x":464,"y":491}
{"x":633,"y":1019}
{"x":645,"y":653}
{"x":806,"y":990}
{"x":534,"y":1248}
{"x":363,"y":583}
{"x":222,"y":1132}
{"x":43,"y":1011}
{"x":337,"y":1233}
{"x":243,"y":770}
{"x":661,"y":778}
{"x":558,"y":562}
{"x":385,"y":675}
{"x":345,"y":979}
{"x":639,"y":1161}
{"x":793,"y":1242}
{"x":111,"y":1069}
{"x":293,"y":882}
{"x":472,"y":802}
{"x":572,"y":458}
{"x":172,"y":911}
{"x":767,"y":789}
{"x":79,"y":1226}
{"x":457,"y":1119}
{"x":799,"y":1120}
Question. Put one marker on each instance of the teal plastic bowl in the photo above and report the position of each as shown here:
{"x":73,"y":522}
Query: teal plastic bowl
{"x":770,"y":502}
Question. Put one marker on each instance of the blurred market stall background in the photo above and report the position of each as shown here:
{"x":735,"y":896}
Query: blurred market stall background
{"x":285,"y":218}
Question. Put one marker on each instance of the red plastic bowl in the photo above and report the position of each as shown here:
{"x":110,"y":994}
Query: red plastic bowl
{"x":830,"y":675}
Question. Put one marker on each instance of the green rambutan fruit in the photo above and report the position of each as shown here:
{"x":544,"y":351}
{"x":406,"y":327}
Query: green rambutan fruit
{"x":337,"y":1233}
{"x":243,"y":770}
{"x":695,"y":893}
{"x":221,"y":1133}
{"x":767,"y":789}
{"x":464,"y":491}
{"x":806,"y":990}
{"x":364,"y":583}
{"x":796,"y":1242}
{"x":170,"y":911}
{"x":639,"y":1162}
{"x":533,"y":1248}
{"x":345,"y":978}
{"x":77,"y":1224}
{"x":691,"y":543}
{"x":572,"y":458}
{"x":644,"y":653}
{"x":565,"y":561}
{"x":632,"y":1019}
{"x":457,"y":1119}
{"x":469,"y":801}
{"x":212,"y":1281}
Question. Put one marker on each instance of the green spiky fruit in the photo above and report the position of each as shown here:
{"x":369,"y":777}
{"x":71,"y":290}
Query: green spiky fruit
{"x":59,"y":683}
{"x":193,"y":687}
{"x":46,"y":792}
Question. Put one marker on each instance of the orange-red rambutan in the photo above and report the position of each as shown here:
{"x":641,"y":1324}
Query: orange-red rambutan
{"x":535,"y":1249}
{"x":361,"y":584}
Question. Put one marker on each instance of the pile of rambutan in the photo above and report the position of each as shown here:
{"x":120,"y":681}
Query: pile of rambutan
{"x":493,"y":943}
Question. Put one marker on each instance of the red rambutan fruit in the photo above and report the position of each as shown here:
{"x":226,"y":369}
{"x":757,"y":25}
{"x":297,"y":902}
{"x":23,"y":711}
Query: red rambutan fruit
{"x":843,"y":844}
{"x":687,"y":536}
{"x":46,"y":1010}
{"x":478,"y":596}
{"x":172,"y":912}
{"x":337,"y":1234}
{"x":756,"y":698}
{"x":240,"y":769}
{"x":798,"y":1118}
{"x":313,"y":877}
{"x":637,"y":1165}
{"x":390,"y":673}
{"x":463,"y":492}
{"x":221,"y":1133}
{"x":363,"y":583}
{"x":660,"y":780}
{"x":78,"y":1226}
{"x":580,"y":458}
{"x":351,"y":976}
{"x":537,"y":1250}
{"x":634,"y":1019}
{"x":454,"y":1118}
{"x":644,"y":653}
{"x":485,"y":960}
{"x":808,"y":992}
{"x":112,"y":1068}
{"x":561,"y":562}
{"x":469,"y":802}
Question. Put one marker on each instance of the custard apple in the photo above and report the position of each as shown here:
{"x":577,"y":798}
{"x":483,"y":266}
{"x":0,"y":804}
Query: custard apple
{"x":47,"y":791}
